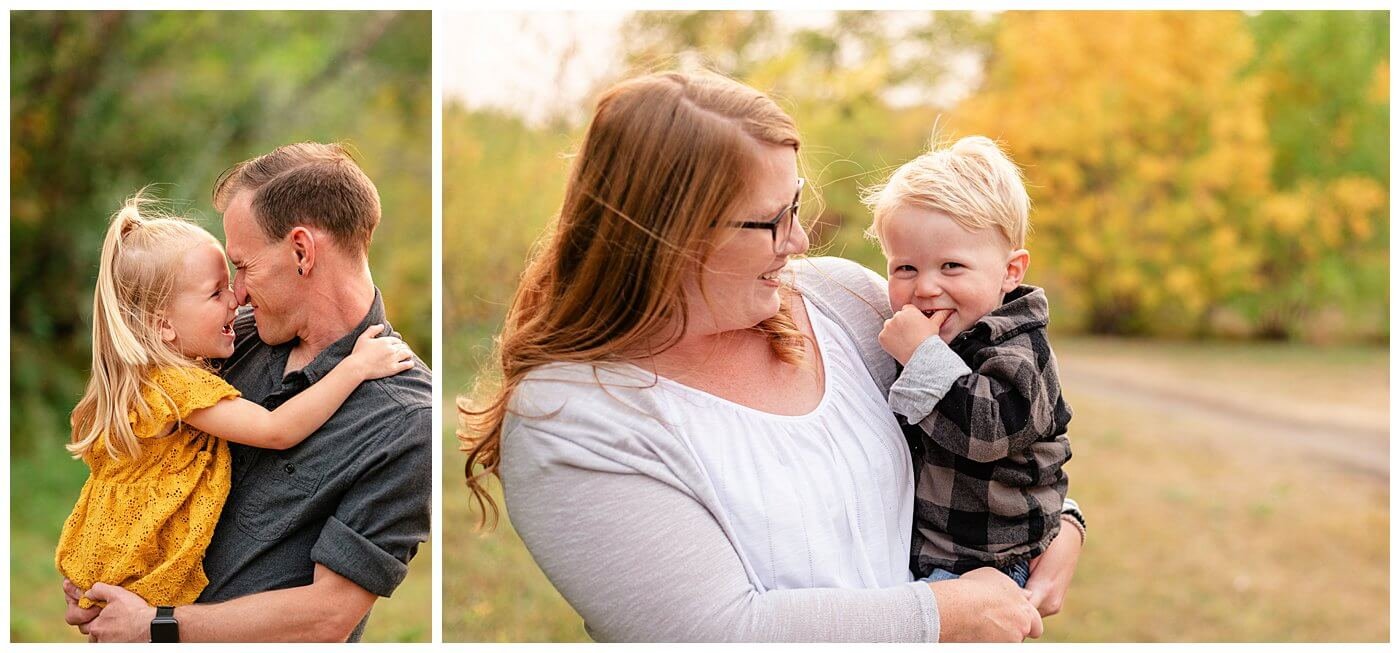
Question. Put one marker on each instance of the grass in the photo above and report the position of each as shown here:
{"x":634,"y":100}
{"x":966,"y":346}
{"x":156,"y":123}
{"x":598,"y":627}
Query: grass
{"x":1195,"y":535}
{"x":44,"y":485}
{"x":492,"y":591}
{"x":1282,"y":378}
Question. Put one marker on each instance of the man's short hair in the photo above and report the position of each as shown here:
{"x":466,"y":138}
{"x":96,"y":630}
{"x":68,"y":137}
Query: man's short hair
{"x":306,"y":184}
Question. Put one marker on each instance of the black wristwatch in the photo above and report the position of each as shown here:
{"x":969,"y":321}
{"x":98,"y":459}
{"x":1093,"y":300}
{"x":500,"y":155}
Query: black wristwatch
{"x":164,"y":628}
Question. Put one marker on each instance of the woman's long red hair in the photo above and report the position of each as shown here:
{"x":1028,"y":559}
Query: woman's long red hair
{"x":664,"y":160}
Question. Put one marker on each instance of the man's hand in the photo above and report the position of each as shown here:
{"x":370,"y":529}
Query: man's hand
{"x":984,"y":605}
{"x":908,"y":329}
{"x":126,"y":618}
{"x":74,"y":615}
{"x":1051,"y":571}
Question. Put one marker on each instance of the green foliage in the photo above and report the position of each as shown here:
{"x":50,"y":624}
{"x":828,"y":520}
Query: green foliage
{"x":1327,"y":75}
{"x":1146,"y":155}
{"x":1193,"y":178}
{"x":502,"y":184}
{"x":837,"y":81}
{"x":1327,"y":83}
{"x":104,"y":103}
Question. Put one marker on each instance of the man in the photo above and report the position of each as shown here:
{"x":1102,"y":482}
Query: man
{"x":310,"y":536}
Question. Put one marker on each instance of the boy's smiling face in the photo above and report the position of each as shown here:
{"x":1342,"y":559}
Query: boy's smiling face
{"x":935,"y":263}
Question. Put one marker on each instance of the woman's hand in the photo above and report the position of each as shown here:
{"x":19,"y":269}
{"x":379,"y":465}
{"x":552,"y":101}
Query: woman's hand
{"x":984,"y":605}
{"x":1052,"y":570}
{"x":378,"y":357}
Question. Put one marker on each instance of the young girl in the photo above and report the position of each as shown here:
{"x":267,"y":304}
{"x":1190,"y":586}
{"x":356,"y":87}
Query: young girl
{"x":154,"y":421}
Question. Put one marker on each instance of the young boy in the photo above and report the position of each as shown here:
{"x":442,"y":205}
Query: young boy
{"x":978,"y":380}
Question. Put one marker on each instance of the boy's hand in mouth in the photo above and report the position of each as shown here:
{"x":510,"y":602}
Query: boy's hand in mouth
{"x":909,"y":328}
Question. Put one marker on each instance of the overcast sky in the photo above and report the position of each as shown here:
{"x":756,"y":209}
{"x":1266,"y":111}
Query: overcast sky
{"x":532,"y":63}
{"x":513,"y":60}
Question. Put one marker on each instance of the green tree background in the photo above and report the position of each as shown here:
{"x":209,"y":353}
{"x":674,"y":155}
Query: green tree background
{"x":1195,"y":174}
{"x":104,"y":103}
{"x":1210,"y":216}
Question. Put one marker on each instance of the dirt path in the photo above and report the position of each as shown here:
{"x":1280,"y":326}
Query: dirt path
{"x":1314,"y":430}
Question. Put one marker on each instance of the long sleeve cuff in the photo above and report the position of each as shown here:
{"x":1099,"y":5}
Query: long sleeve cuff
{"x":931,"y":372}
{"x":928,"y":609}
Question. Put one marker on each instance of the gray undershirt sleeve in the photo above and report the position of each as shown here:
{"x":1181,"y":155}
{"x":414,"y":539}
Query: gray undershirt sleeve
{"x":640,"y":560}
{"x":931,"y":372}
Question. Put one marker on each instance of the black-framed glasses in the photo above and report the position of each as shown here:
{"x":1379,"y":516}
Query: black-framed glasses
{"x":781,"y":224}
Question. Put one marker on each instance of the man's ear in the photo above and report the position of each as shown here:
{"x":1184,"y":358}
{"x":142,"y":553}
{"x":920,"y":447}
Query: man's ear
{"x":1016,"y":263}
{"x":303,"y":249}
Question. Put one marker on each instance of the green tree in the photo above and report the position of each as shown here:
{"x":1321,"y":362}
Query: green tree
{"x":1327,"y":83}
{"x":104,"y":103}
{"x":864,"y":90}
{"x":1147,"y":153}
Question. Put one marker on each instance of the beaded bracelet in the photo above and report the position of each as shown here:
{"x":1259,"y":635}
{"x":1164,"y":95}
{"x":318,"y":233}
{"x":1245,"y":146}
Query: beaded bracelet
{"x":1079,"y":526}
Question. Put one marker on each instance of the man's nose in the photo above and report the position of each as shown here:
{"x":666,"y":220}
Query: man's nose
{"x":240,"y":289}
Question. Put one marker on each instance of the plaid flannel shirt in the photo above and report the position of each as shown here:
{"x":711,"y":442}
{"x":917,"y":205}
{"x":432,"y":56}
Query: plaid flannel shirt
{"x":988,"y":446}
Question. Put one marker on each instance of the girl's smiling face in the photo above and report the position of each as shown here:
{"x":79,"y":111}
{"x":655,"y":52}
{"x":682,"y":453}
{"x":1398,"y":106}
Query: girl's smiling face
{"x":937,"y":264}
{"x":199,"y":319}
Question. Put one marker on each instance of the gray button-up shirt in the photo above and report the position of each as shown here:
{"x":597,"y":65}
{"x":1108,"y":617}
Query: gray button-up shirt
{"x":356,"y":496}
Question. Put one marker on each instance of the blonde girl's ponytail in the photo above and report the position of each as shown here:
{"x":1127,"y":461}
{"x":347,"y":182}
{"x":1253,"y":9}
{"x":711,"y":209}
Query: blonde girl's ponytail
{"x":109,"y":325}
{"x":141,"y":257}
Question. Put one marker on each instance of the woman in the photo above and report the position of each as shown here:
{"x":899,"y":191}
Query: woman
{"x":691,"y":448}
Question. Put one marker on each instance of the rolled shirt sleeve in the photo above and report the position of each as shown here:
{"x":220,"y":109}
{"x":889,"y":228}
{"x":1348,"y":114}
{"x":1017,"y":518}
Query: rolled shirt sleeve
{"x":386,"y":514}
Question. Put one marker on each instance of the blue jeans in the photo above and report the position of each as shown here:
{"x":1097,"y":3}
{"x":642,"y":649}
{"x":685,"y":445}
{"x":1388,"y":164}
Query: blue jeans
{"x":1019,"y":572}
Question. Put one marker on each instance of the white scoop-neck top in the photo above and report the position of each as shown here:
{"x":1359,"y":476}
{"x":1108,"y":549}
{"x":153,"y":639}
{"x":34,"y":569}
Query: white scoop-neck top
{"x":823,"y":499}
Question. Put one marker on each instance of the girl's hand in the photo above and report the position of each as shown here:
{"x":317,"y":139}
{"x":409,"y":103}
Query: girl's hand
{"x":1052,"y":571}
{"x":74,"y":615}
{"x":908,"y":329}
{"x":984,"y":605}
{"x":379,"y":357}
{"x":127,"y":617}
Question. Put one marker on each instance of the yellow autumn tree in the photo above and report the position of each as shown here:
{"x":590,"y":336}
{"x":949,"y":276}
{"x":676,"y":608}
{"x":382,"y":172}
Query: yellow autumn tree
{"x":1148,"y":159}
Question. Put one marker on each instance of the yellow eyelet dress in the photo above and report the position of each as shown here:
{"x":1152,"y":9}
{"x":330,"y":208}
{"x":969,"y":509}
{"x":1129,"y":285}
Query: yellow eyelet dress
{"x":144,"y":523}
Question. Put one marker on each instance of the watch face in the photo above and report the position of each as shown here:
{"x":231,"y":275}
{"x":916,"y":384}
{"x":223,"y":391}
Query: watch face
{"x":164,"y":628}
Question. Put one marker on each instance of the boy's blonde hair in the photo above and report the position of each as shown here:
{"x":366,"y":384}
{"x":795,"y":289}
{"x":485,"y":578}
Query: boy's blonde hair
{"x":973,"y":181}
{"x":142,"y":255}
